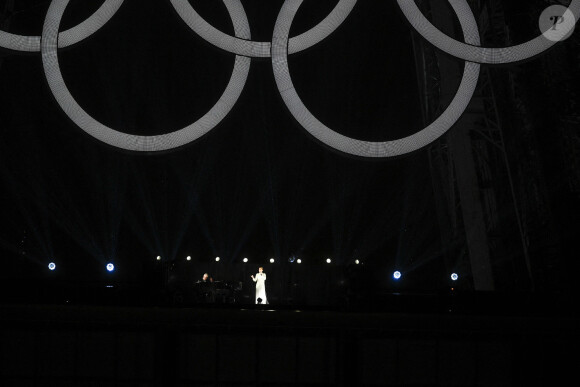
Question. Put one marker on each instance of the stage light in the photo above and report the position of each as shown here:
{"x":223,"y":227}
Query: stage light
{"x":397,"y":275}
{"x":454,"y":276}
{"x":217,"y":259}
{"x":356,"y":261}
{"x":328,"y":260}
{"x":110,"y":267}
{"x":159,"y":257}
{"x":188,"y":258}
{"x":298,"y":260}
{"x":51,"y":266}
{"x":245,"y":260}
{"x":271,"y":260}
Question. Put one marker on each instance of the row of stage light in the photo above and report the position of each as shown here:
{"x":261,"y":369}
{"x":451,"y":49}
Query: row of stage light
{"x":396,"y":275}
{"x":272,"y":260}
{"x":111,"y":267}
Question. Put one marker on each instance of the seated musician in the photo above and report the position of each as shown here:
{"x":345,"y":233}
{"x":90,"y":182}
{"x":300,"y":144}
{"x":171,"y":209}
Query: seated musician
{"x":206,"y":289}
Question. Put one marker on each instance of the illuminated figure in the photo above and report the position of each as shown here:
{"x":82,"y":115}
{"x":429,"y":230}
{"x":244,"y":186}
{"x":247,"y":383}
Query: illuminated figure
{"x":260,"y":280}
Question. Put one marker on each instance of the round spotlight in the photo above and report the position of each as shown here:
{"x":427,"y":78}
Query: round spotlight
{"x":51,"y":266}
{"x":397,"y":275}
{"x":159,"y":257}
{"x":298,"y":260}
{"x":245,"y":260}
{"x":356,"y":261}
{"x":271,"y":260}
{"x":217,"y":259}
{"x":110,"y":267}
{"x":188,"y":258}
{"x":328,"y":260}
{"x":454,"y":276}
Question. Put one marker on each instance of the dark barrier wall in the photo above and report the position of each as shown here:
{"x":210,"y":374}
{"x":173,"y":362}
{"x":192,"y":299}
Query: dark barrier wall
{"x":107,"y":346}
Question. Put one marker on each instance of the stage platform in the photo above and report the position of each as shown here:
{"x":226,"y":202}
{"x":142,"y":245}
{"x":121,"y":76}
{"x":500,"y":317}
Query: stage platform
{"x":454,"y":339}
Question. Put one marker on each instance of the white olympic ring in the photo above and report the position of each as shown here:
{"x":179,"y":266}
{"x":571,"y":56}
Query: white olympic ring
{"x":130,"y":141}
{"x":279,"y":49}
{"x":255,"y":49}
{"x":473,"y":53}
{"x":369,"y":148}
{"x":65,"y":38}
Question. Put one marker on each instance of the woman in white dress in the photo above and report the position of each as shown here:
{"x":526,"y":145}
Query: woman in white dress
{"x":260,"y":280}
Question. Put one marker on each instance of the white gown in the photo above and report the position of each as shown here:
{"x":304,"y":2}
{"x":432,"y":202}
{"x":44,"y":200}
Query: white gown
{"x":260,"y":280}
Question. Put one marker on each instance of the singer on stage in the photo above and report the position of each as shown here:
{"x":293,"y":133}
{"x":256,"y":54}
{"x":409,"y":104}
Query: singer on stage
{"x":260,"y":281}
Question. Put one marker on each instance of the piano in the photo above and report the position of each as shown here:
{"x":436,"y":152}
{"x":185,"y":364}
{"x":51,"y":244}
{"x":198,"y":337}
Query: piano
{"x":217,"y":292}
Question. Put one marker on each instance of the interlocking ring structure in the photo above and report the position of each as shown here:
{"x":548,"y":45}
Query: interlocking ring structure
{"x":278,"y":50}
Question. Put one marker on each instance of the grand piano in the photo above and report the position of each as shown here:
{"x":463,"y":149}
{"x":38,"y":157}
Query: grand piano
{"x":216,"y":292}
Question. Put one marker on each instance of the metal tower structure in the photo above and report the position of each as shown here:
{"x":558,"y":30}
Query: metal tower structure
{"x":478,"y":211}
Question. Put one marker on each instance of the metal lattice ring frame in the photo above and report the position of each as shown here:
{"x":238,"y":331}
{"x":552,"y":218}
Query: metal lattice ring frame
{"x":81,"y":118}
{"x":66,"y":38}
{"x":256,"y":49}
{"x":281,"y":46}
{"x":370,"y":148}
{"x":472,"y":53}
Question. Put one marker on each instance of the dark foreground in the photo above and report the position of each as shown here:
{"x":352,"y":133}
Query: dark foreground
{"x":389,"y":339}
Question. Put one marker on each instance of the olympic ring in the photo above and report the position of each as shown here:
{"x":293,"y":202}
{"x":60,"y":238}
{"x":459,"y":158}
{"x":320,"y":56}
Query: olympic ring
{"x":255,"y":49}
{"x":368,"y":148}
{"x":65,"y":38}
{"x":472,"y":53}
{"x":128,"y":141}
{"x":279,"y":49}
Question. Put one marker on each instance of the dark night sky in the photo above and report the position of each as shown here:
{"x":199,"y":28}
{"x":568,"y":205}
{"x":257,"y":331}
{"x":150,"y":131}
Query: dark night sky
{"x":258,"y":185}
